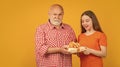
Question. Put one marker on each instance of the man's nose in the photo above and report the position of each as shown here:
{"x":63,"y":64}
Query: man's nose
{"x":57,"y":16}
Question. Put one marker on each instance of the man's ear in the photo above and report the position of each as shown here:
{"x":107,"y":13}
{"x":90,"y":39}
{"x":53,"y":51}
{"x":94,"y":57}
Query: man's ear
{"x":48,"y":14}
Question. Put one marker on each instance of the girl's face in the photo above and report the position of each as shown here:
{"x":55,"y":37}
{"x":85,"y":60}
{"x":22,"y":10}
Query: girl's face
{"x":87,"y":23}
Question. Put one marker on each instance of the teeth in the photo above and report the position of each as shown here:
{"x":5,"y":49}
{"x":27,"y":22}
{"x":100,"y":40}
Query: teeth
{"x":86,"y":26}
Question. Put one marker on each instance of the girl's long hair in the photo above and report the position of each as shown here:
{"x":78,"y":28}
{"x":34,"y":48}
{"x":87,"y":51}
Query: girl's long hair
{"x":96,"y":25}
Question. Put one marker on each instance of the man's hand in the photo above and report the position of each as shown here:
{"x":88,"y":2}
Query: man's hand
{"x":64,"y":49}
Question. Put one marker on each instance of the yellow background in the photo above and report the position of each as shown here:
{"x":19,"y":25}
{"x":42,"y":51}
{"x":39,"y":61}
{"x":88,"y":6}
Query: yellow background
{"x":19,"y":19}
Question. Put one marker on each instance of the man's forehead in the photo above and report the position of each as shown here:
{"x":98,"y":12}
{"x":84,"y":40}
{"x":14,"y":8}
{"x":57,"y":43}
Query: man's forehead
{"x":56,"y":10}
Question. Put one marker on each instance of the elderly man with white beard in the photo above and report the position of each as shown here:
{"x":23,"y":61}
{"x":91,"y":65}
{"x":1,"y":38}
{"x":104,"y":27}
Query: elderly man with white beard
{"x":52,"y":39}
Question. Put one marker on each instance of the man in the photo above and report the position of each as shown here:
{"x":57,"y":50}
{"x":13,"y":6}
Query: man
{"x":51,"y":40}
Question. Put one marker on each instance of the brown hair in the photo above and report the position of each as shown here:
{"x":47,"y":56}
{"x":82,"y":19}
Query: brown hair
{"x":96,"y":25}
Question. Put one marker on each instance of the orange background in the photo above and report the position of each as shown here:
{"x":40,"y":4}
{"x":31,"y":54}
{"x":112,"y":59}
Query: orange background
{"x":19,"y":19}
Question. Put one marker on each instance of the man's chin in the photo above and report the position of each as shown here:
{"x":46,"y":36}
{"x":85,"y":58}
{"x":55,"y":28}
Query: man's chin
{"x":56,"y":23}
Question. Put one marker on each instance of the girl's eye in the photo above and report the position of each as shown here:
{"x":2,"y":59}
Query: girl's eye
{"x":87,"y":20}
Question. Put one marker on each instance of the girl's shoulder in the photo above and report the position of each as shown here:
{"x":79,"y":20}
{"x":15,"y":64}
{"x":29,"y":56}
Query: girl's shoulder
{"x":100,"y":33}
{"x":81,"y":34}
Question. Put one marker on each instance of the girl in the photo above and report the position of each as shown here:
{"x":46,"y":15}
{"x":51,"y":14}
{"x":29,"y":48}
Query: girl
{"x":93,"y":39}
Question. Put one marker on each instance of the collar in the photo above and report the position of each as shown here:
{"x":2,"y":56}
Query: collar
{"x":62,"y":26}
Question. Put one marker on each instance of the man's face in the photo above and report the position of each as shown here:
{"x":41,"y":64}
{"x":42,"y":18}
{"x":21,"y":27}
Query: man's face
{"x":56,"y":15}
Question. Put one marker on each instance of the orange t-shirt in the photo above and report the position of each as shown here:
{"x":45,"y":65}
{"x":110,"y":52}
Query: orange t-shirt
{"x":92,"y":41}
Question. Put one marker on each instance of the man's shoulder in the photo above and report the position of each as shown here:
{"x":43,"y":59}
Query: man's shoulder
{"x":67,"y":25}
{"x":42,"y":25}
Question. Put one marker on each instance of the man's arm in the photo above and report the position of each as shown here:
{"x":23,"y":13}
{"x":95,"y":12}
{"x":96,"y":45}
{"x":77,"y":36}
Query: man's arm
{"x":41,"y":46}
{"x":58,"y":50}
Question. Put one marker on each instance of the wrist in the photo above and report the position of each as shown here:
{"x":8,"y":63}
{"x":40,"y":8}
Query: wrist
{"x":59,"y":50}
{"x":90,"y":50}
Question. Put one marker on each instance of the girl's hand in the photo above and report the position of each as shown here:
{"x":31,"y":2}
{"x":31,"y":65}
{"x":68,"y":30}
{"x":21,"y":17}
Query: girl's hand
{"x":82,"y":49}
{"x":87,"y":51}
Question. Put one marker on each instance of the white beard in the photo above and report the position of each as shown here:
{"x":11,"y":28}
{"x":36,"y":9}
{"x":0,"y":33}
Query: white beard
{"x":56,"y":22}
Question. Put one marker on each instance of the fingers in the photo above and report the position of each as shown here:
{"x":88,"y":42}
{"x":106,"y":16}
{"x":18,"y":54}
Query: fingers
{"x":65,"y":51}
{"x":81,"y":49}
{"x":65,"y":46}
{"x":73,"y":45}
{"x":72,"y":50}
{"x":86,"y":52}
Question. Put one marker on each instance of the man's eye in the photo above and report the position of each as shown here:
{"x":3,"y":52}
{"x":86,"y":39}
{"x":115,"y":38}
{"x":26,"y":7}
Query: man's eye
{"x":60,"y":14}
{"x":54,"y":14}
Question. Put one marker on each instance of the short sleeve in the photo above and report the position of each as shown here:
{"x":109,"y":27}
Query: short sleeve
{"x":103,"y":40}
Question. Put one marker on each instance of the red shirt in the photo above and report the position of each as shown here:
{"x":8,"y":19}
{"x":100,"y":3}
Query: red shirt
{"x":48,"y":36}
{"x":92,"y":41}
